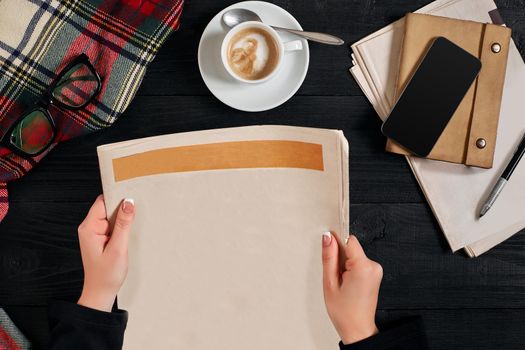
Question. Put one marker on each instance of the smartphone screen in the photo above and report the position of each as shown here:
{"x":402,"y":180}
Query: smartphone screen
{"x":431,"y":97}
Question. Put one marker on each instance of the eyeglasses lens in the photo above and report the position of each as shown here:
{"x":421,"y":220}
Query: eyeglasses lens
{"x":77,"y":86}
{"x":33,"y":133}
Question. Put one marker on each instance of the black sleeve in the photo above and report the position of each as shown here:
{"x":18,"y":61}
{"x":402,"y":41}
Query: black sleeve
{"x":77,"y":327}
{"x":406,"y":334}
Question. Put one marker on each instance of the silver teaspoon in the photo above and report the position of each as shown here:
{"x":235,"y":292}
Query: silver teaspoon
{"x":236,"y":16}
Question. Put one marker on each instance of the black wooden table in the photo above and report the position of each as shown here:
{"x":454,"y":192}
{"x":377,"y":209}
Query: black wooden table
{"x":466,"y":303}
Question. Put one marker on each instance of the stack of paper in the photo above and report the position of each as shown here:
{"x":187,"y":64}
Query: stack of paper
{"x":225,"y":251}
{"x":455,"y":192}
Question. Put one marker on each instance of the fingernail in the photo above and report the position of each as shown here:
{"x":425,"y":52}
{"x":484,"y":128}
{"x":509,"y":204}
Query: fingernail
{"x":327,"y":238}
{"x":128,"y":205}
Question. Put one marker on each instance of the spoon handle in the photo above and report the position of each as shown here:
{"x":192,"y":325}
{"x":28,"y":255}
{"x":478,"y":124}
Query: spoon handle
{"x":313,"y":36}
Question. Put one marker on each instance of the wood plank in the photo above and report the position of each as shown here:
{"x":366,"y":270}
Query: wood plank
{"x":420,"y":271}
{"x":466,"y":303}
{"x":328,"y":73}
{"x":70,"y":172}
{"x":475,"y":329}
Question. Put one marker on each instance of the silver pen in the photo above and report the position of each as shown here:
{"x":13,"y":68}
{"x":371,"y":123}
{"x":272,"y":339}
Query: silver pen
{"x":504,"y":178}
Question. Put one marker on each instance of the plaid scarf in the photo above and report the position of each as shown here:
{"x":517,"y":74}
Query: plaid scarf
{"x":10,"y":336}
{"x":39,"y":37}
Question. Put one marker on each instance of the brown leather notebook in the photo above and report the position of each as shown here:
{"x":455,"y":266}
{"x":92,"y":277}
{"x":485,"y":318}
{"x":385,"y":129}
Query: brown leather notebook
{"x":470,"y":136}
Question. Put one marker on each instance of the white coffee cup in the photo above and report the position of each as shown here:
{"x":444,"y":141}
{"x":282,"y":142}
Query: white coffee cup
{"x":282,"y":47}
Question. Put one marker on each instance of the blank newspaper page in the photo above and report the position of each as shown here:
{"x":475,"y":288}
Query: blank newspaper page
{"x":225,"y":251}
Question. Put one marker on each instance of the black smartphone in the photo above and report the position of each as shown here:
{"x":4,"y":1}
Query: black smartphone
{"x":431,"y":97}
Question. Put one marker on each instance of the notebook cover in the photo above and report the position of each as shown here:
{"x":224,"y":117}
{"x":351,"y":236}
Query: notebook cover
{"x":478,"y":114}
{"x":475,"y":236}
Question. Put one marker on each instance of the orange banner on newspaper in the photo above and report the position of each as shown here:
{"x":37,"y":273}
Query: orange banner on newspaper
{"x":220,"y":156}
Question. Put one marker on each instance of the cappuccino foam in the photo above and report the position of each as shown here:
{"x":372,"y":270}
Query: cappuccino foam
{"x":252,"y":53}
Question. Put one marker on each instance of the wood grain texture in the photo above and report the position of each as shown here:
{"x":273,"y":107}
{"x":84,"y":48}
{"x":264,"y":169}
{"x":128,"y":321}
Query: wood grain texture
{"x":70,"y":173}
{"x":446,"y":328}
{"x":466,"y":303}
{"x":420,"y":271}
{"x":328,"y":73}
{"x":469,"y":328}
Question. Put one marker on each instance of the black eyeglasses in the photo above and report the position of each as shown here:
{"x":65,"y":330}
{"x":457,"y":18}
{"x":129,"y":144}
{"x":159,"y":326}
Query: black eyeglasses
{"x":72,"y":89}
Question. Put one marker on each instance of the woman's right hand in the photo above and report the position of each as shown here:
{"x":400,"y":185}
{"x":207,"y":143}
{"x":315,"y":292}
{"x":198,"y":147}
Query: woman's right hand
{"x":350,"y":295}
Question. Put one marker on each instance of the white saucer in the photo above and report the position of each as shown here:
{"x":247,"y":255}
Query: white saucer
{"x":252,"y":97}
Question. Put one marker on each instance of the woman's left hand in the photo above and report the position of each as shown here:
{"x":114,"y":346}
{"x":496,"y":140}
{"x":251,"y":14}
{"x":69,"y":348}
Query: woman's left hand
{"x":104,"y":254}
